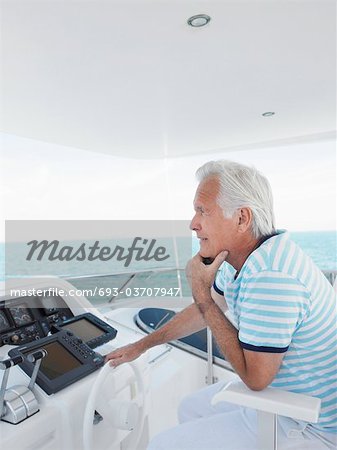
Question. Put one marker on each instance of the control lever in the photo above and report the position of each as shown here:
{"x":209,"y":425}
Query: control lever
{"x":35,"y":357}
{"x":17,"y":403}
{"x":6,"y":365}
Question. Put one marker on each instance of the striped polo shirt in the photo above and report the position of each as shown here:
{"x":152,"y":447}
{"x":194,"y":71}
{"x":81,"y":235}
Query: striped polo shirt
{"x":281,"y":302}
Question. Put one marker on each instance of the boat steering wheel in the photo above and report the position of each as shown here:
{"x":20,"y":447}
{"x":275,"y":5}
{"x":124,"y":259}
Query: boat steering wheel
{"x":121,"y":414}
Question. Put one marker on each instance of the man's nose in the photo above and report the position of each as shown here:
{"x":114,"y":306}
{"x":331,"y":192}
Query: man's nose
{"x":194,"y":225}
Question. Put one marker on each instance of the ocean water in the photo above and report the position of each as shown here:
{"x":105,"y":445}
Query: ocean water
{"x":321,"y":246}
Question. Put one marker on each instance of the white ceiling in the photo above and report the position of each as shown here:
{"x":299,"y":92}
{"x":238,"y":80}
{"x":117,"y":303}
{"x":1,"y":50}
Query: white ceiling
{"x":130,"y":78}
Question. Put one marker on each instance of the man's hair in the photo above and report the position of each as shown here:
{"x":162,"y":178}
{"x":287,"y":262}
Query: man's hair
{"x":242,"y":186}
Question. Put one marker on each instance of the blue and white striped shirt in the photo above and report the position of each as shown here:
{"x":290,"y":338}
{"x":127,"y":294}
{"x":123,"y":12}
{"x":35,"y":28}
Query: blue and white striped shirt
{"x":281,"y":302}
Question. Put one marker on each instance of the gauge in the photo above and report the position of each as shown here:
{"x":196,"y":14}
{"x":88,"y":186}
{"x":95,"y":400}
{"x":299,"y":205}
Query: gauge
{"x":4,"y":324}
{"x":21,"y":315}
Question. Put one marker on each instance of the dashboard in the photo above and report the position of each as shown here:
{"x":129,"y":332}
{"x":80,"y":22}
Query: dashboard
{"x":27,"y":319}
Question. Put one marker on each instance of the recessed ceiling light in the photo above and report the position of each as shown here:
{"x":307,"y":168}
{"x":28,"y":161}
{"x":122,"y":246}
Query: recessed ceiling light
{"x":199,"y":20}
{"x":268,"y":114}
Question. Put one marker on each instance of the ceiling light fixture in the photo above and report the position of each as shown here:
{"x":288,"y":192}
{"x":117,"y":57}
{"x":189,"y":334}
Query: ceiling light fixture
{"x":199,"y":20}
{"x":268,"y":114}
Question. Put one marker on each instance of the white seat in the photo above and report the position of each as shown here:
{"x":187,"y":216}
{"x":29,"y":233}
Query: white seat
{"x":270,"y":403}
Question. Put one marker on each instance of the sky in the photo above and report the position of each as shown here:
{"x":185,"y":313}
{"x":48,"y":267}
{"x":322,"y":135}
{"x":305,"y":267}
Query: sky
{"x":39,"y":180}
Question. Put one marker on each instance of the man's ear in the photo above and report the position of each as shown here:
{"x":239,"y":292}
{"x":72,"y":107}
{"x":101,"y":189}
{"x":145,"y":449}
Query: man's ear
{"x":245,"y":217}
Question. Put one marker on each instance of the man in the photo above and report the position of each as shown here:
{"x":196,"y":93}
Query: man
{"x":282,"y":329}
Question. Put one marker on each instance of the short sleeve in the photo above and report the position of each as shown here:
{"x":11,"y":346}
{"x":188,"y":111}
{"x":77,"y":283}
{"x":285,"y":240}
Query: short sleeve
{"x":272,"y":306}
{"x":222,"y":277}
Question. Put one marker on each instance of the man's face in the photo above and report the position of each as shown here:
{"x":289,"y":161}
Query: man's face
{"x":216,"y":233}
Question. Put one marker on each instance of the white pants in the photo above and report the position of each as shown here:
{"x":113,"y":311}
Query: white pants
{"x":230,"y":427}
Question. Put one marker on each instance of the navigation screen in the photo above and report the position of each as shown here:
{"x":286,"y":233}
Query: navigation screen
{"x":59,"y":361}
{"x":84,"y":329}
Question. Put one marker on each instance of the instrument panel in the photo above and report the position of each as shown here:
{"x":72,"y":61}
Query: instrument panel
{"x":4,"y":323}
{"x":26,"y":319}
{"x":21,"y":315}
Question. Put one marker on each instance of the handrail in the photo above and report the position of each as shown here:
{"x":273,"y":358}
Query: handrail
{"x":124,"y":285}
{"x":126,"y":272}
{"x":330,"y":274}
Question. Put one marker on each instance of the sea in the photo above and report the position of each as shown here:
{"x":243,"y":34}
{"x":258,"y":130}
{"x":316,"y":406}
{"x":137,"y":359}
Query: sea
{"x":321,"y":246}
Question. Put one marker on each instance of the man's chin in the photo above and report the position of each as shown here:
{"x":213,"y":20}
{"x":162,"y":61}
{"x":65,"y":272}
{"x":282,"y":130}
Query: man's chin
{"x":206,"y":252}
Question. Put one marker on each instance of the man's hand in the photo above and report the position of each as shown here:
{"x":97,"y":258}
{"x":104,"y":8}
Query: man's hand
{"x":124,"y":354}
{"x":201,"y":276}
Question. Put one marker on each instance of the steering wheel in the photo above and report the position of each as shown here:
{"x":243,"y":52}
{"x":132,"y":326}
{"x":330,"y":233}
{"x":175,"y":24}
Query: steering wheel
{"x":121,"y":414}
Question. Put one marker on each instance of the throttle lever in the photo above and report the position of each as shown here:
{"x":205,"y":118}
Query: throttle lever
{"x":6,"y":365}
{"x":11,"y":362}
{"x":36,"y":358}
